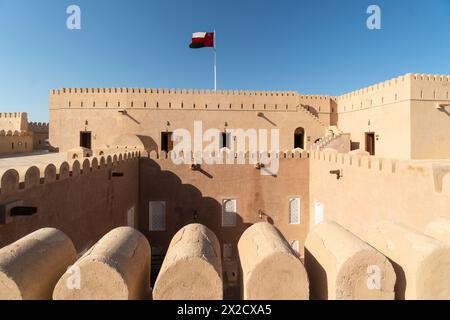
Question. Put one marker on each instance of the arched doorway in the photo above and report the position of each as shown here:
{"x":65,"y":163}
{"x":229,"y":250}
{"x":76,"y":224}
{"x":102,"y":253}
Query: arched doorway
{"x":299,"y":138}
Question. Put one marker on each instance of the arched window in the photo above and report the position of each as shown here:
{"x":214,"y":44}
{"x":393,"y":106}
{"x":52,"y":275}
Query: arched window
{"x":299,"y":138}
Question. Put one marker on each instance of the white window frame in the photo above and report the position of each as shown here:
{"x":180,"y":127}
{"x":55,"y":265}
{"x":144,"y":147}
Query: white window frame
{"x":319,"y":217}
{"x":131,"y":217}
{"x":293,"y":198}
{"x":223,"y":212}
{"x":150,"y":216}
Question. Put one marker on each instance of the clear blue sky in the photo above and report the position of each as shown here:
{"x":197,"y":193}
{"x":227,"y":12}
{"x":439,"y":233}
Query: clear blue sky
{"x":320,"y":47}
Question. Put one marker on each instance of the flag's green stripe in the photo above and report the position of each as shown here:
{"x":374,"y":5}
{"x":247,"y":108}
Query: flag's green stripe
{"x":196,"y":45}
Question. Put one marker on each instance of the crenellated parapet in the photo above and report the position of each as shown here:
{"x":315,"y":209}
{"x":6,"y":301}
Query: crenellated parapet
{"x":14,"y":121}
{"x":438,"y":172}
{"x":225,"y":156}
{"x":430,"y":87}
{"x":24,"y":178}
{"x":189,"y":99}
{"x":411,"y":86}
{"x":39,"y":127}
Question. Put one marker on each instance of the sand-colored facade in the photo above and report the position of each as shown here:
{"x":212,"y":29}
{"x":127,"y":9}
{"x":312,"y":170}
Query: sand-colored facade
{"x":124,"y":179}
{"x":18,"y":136}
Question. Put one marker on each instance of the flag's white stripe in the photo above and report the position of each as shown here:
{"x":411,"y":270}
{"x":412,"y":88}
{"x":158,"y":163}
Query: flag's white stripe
{"x":199,"y":35}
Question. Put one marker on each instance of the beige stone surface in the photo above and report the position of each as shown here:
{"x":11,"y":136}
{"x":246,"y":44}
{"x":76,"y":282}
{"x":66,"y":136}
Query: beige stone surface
{"x":117,"y":267}
{"x":111,"y":113}
{"x":192,"y":268}
{"x":421,"y":263}
{"x":341,"y":266}
{"x":439,"y":229}
{"x":270,"y":269}
{"x":31,"y":266}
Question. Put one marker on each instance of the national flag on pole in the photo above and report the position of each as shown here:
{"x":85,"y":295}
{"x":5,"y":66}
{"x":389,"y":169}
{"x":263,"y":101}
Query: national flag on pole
{"x":202,"y":40}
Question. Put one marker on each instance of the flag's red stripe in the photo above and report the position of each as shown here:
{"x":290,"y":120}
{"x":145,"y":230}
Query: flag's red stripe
{"x":208,"y":40}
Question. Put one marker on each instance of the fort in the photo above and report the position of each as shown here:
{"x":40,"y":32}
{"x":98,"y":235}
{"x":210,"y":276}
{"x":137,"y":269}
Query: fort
{"x":358,"y":207}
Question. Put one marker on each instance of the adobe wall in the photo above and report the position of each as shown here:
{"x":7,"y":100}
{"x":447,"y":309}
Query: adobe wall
{"x":80,"y":199}
{"x":15,"y":142}
{"x":371,"y":189}
{"x":403,"y":114}
{"x":40,"y":134}
{"x":384,"y":109}
{"x":14,"y":121}
{"x":152,"y":111}
{"x":186,"y":192}
{"x":429,"y":125}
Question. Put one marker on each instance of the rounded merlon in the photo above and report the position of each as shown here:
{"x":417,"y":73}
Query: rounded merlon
{"x":192,"y":268}
{"x":341,"y":266}
{"x":270,"y":269}
{"x":117,"y":267}
{"x":31,"y":266}
{"x":421,"y":263}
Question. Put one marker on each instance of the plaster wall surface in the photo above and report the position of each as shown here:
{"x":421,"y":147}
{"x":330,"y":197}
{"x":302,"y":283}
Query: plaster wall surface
{"x":80,"y":199}
{"x":371,"y":189}
{"x":111,"y":113}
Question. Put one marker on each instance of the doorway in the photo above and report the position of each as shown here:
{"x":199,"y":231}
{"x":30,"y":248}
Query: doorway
{"x":166,"y":141}
{"x":85,"y":139}
{"x":370,"y":143}
{"x":299,"y":138}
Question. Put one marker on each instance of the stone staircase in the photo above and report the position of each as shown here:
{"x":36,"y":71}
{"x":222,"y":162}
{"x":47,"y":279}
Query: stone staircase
{"x":333,"y":135}
{"x":310,"y":114}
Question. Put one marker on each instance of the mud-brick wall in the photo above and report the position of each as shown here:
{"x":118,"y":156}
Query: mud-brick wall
{"x":81,"y":199}
{"x":202,"y":191}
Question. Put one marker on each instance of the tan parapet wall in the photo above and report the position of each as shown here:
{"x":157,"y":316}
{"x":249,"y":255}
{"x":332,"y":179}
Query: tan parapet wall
{"x":421,"y":262}
{"x":343,"y":267}
{"x":14,"y":121}
{"x":38,"y":127}
{"x":270,"y":269}
{"x":117,"y":267}
{"x":192,"y":268}
{"x":26,"y":177}
{"x":439,"y":229}
{"x":31,"y":266}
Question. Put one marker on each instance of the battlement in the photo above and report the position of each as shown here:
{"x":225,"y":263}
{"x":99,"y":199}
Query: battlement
{"x":22,"y":178}
{"x":190,"y":99}
{"x":411,"y":86}
{"x":173,"y":91}
{"x":14,"y":121}
{"x":363,"y":162}
{"x":430,"y":87}
{"x":38,"y":127}
{"x":436,"y":171}
{"x":12,"y":115}
{"x":227,"y":157}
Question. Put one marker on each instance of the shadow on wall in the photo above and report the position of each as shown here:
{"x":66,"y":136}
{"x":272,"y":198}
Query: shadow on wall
{"x":318,"y":277}
{"x":148,"y":143}
{"x":313,"y":111}
{"x":400,"y":284}
{"x":185,"y":204}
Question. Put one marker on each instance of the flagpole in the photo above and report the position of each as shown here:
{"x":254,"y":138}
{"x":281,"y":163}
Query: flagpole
{"x":215,"y":63}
